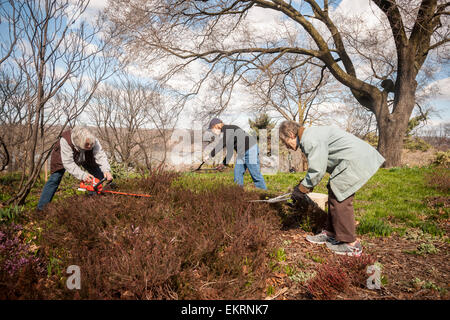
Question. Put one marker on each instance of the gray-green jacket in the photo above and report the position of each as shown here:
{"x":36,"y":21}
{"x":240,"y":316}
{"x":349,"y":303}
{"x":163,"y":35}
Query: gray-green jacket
{"x":350,"y":161}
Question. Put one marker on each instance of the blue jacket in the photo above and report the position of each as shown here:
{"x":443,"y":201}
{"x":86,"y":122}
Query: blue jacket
{"x":350,"y":161}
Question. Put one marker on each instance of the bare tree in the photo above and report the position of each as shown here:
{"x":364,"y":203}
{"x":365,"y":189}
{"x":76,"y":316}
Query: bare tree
{"x":62,"y":60}
{"x":438,"y":136}
{"x":292,"y":86}
{"x":164,"y":115}
{"x":9,"y":17}
{"x":119,"y":110}
{"x":133,"y":121}
{"x":10,"y":12}
{"x":202,"y":31}
{"x":14,"y":96}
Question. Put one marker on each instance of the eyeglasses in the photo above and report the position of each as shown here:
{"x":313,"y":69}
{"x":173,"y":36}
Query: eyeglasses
{"x":88,"y":146}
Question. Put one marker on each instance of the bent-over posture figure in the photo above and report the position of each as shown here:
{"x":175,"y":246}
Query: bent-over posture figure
{"x":350,"y":161}
{"x":75,"y":148}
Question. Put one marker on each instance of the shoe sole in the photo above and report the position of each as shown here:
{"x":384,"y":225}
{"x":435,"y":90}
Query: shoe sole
{"x":316,"y":242}
{"x":351,"y":254}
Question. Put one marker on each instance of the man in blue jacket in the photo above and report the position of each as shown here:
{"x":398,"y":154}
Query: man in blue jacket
{"x":350,"y":161}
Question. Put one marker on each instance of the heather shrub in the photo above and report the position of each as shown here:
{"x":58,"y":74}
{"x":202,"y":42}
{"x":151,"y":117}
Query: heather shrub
{"x":175,"y":245}
{"x":356,"y":267}
{"x":329,"y":281}
{"x":338,"y":274}
{"x":20,"y":269}
{"x":439,"y":179}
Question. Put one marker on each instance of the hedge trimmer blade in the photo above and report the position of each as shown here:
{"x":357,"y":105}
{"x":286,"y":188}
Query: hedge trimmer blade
{"x":96,"y":188}
{"x":127,"y":194}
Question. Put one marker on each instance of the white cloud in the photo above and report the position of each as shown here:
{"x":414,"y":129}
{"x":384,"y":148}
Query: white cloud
{"x":443,"y":89}
{"x":98,"y":4}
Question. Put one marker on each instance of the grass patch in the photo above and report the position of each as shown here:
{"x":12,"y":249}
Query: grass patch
{"x":374,"y":225}
{"x":395,"y":199}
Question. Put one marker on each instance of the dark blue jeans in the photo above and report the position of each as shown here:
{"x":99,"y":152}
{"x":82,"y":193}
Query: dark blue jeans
{"x":55,"y":179}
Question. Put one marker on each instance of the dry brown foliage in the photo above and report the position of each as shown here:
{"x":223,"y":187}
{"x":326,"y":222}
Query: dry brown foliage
{"x":175,"y":245}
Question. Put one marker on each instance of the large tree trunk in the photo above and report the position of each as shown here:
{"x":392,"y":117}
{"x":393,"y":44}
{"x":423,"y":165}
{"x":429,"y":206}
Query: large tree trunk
{"x":390,"y":140}
{"x":392,"y":125}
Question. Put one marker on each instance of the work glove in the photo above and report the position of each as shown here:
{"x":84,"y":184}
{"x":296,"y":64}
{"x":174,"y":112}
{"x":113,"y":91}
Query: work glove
{"x":299,"y":193}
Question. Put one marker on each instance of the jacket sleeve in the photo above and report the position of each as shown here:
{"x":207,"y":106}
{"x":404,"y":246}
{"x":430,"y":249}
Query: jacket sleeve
{"x":317,"y":155}
{"x":100,"y":157}
{"x":68,"y":162}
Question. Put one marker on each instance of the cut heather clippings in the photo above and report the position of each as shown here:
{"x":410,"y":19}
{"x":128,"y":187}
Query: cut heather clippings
{"x":178,"y":244}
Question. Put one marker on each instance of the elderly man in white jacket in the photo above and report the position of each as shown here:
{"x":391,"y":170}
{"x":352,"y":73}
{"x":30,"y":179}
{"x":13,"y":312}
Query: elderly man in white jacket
{"x":75,"y":148}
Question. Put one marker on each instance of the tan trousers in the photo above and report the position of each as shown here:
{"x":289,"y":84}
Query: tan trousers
{"x":341,"y":219}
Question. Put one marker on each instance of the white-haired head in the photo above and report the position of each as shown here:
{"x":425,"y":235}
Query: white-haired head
{"x":83,"y":138}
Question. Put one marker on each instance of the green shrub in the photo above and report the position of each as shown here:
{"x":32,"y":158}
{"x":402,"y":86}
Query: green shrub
{"x":442,"y":158}
{"x":119,"y":170}
{"x":372,"y":139}
{"x":431,"y":228}
{"x":10,"y":214}
{"x":416,"y":144}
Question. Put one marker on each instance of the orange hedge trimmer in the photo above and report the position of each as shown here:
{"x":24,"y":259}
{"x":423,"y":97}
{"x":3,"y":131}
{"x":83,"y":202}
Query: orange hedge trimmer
{"x":95,"y":187}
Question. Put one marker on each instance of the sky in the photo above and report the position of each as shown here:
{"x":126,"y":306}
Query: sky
{"x":265,"y":23}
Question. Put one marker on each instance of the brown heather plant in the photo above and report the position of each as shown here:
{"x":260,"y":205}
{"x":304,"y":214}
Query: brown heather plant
{"x":338,"y":274}
{"x":175,"y":245}
{"x":329,"y":281}
{"x":439,"y":179}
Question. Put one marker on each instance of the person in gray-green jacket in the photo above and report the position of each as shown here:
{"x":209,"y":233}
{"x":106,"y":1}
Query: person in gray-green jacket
{"x":350,"y":161}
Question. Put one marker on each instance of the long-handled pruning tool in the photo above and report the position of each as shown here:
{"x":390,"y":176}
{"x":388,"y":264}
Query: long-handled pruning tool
{"x":283,"y":197}
{"x":286,"y":197}
{"x":95,"y":187}
{"x":206,"y":169}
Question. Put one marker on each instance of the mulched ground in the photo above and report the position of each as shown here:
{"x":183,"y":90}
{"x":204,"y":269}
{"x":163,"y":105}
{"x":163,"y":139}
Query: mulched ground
{"x":399,"y":268}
